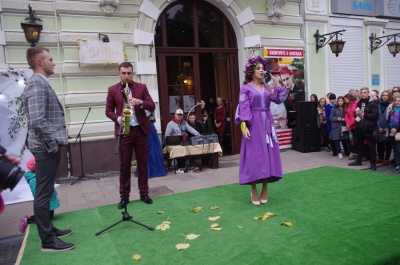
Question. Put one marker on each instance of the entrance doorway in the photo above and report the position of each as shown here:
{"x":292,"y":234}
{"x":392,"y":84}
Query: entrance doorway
{"x":196,"y":58}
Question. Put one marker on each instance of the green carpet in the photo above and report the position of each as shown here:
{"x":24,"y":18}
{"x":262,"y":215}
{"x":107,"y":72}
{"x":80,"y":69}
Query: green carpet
{"x":339,"y":216}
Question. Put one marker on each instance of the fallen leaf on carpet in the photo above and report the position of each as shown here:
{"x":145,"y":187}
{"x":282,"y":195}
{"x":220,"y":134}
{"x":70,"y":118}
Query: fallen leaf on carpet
{"x":215,"y":227}
{"x":192,"y":236}
{"x":163,"y":226}
{"x":182,"y":246}
{"x":136,"y":257}
{"x":287,"y":224}
{"x":241,"y":227}
{"x":197,"y":209}
{"x":215,"y":218}
{"x":265,"y":216}
{"x":214,"y":207}
{"x":160,"y":212}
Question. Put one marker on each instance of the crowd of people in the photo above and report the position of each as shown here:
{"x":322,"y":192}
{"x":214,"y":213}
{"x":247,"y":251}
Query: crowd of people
{"x":363,"y":123}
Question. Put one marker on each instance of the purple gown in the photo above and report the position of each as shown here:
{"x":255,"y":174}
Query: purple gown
{"x":259,"y":157}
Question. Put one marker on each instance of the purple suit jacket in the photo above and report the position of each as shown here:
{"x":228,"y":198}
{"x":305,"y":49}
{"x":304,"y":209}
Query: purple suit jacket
{"x":115,"y":104}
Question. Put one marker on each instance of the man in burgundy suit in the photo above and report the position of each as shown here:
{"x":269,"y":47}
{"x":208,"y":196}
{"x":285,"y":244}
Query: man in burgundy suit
{"x":139,"y":100}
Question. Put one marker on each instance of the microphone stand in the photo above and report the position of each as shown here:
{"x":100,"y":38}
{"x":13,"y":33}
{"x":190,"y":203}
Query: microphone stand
{"x":80,"y":149}
{"x":197,"y":104}
{"x":125,"y":215}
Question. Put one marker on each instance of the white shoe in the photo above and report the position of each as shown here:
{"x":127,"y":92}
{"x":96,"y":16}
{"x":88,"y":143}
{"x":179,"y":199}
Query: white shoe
{"x":340,"y":156}
{"x":180,"y":170}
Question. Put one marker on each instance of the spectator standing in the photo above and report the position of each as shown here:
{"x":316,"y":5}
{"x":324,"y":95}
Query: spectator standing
{"x":220,"y":120}
{"x":328,"y":109}
{"x":384,"y":148}
{"x":340,"y":132}
{"x":367,"y":113}
{"x":350,"y":109}
{"x":322,"y":123}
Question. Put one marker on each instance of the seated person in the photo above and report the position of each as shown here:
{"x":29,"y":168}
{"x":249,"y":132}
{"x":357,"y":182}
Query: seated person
{"x":178,"y":126}
{"x":196,"y":124}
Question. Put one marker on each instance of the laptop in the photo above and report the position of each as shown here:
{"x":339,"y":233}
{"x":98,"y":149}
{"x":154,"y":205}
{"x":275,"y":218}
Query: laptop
{"x":173,"y":140}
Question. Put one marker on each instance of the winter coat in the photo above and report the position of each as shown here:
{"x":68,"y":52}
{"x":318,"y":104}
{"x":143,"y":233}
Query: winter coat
{"x":336,"y":132}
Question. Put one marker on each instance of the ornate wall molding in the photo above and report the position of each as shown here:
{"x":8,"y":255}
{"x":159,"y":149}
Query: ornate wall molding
{"x":108,"y":6}
{"x":275,"y":9}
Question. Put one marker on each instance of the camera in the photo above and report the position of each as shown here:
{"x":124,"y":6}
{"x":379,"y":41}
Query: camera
{"x":10,"y":174}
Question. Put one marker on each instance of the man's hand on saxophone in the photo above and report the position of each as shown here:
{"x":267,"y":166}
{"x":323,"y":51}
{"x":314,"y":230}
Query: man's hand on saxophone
{"x":134,"y":101}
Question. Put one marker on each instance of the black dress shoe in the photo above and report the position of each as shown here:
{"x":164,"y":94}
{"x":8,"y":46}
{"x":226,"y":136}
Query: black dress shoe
{"x":56,"y":246}
{"x":122,"y":203}
{"x":373,"y":167}
{"x":146,"y":199}
{"x":355,"y":163}
{"x":63,"y":233}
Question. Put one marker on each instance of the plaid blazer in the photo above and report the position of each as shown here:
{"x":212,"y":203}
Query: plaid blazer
{"x":45,"y":116}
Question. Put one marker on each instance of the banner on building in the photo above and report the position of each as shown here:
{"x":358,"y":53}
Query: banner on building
{"x":288,"y":63}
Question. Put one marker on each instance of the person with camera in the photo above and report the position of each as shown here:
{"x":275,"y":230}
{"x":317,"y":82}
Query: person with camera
{"x":46,"y":135}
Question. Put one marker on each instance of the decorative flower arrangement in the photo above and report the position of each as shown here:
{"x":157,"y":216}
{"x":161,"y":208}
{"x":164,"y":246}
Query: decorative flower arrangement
{"x":252,"y":62}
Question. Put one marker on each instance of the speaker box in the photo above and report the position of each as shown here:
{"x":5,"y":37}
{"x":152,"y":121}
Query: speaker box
{"x":306,"y":141}
{"x":307,"y":114}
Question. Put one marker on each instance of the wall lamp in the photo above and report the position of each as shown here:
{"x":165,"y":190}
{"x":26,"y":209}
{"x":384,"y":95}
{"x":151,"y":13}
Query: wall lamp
{"x":336,"y":45}
{"x":151,"y":45}
{"x":32,"y":27}
{"x":104,"y":38}
{"x":377,"y":42}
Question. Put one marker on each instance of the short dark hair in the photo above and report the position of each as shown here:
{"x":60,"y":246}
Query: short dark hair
{"x":125,"y":65}
{"x":332,"y":96}
{"x":33,"y":53}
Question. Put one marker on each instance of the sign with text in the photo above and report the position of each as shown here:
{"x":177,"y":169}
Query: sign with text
{"x":94,"y":52}
{"x":353,"y":7}
{"x":280,"y":52}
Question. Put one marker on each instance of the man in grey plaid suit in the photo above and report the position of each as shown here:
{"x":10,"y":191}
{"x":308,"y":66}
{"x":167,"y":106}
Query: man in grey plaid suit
{"x":46,"y":134}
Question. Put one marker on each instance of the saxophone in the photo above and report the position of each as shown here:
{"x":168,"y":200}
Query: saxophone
{"x":127,"y":113}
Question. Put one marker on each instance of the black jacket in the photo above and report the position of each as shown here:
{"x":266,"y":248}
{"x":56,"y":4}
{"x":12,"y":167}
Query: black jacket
{"x":371,"y":113}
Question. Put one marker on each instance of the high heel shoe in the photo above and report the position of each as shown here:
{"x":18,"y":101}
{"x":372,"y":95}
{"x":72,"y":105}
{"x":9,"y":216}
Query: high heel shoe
{"x":264,"y":201}
{"x":254,"y":202}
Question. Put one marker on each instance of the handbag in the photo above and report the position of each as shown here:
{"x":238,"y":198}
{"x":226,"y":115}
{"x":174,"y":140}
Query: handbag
{"x":397,"y":136}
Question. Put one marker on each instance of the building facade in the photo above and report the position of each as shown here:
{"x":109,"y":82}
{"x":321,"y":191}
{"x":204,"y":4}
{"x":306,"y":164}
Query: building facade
{"x":181,"y":68}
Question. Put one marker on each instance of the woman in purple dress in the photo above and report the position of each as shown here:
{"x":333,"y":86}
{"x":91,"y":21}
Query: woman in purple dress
{"x":260,"y":160}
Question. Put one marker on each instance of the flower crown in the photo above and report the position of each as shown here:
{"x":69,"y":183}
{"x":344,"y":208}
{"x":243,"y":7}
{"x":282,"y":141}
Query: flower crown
{"x":252,"y":62}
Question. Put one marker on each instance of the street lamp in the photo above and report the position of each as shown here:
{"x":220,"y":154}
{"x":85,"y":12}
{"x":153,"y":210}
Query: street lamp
{"x":336,"y":45}
{"x":376,"y":43}
{"x":32,"y":27}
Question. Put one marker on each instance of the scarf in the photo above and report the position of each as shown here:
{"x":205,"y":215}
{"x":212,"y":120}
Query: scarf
{"x":383,"y":105}
{"x":178,"y":122}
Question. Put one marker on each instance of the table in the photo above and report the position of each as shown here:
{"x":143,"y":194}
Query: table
{"x":213,"y":149}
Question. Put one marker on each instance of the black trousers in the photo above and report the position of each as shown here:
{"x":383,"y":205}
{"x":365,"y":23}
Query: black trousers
{"x":368,"y":135}
{"x":46,"y":168}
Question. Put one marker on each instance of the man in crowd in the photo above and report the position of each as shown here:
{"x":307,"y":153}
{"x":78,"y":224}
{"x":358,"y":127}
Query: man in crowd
{"x":46,"y":134}
{"x":139,"y":100}
{"x":367,"y":113}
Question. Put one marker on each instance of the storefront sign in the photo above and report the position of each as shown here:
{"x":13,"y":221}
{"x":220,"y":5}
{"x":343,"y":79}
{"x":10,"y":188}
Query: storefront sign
{"x":375,"y":79}
{"x":352,"y":7}
{"x":388,"y":8}
{"x":94,"y":52}
{"x":288,"y":53}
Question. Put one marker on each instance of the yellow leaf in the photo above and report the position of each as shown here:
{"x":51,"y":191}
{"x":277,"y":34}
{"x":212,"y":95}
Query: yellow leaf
{"x":215,"y":218}
{"x":216,"y":228}
{"x":240,"y":226}
{"x":192,"y":236}
{"x":270,"y":214}
{"x":287,"y":224}
{"x":214,"y":207}
{"x":214,"y":225}
{"x":197,"y":209}
{"x":136,"y":257}
{"x":164,"y":226}
{"x":160,"y":212}
{"x":182,"y":246}
{"x":257,"y":217}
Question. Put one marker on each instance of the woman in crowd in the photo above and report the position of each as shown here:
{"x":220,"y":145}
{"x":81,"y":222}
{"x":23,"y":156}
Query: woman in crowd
{"x":322,"y":123}
{"x":339,"y":131}
{"x":313,"y":98}
{"x":394,"y":127}
{"x":260,"y":160}
{"x":384,"y":147}
{"x":350,"y":108}
{"x":220,"y":121}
